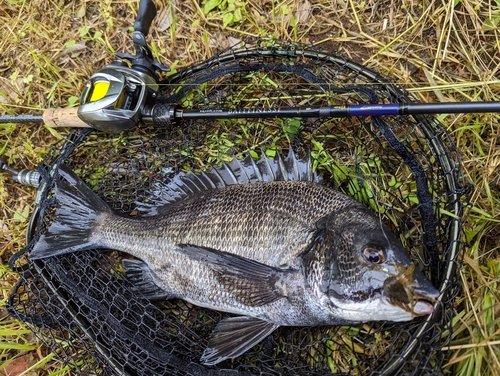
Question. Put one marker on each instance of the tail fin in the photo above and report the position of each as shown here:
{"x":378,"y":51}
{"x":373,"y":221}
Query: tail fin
{"x":72,"y":229}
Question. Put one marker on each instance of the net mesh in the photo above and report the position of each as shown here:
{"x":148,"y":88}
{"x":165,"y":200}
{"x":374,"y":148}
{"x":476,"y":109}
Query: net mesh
{"x":406,"y":169}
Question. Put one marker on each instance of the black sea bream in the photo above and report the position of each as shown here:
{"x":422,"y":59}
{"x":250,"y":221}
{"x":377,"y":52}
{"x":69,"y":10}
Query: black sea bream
{"x":264,"y":240}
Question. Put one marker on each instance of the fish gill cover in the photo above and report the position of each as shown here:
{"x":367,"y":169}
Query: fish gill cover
{"x":405,"y":169}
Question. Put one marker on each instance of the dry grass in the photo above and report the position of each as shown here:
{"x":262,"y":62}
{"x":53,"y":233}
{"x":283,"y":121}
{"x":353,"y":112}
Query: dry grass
{"x":441,"y":51}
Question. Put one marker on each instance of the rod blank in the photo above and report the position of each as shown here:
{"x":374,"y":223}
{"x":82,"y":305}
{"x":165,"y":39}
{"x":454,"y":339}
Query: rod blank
{"x":21,"y":119}
{"x":389,"y":109}
{"x":162,"y":112}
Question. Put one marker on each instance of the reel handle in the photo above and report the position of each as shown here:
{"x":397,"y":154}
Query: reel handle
{"x":145,"y":16}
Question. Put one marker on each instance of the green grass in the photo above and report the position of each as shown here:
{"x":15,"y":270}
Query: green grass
{"x":440,"y":51}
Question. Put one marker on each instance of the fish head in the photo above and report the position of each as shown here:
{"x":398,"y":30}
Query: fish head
{"x":366,"y":274}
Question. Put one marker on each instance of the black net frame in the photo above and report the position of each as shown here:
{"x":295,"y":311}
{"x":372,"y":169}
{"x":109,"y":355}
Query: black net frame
{"x":407,"y":169}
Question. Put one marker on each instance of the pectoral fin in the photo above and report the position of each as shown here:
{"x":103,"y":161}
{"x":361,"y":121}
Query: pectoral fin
{"x":249,"y":282}
{"x":233,"y":336}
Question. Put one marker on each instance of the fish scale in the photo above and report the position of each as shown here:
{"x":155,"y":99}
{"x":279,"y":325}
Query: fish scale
{"x":215,"y":219}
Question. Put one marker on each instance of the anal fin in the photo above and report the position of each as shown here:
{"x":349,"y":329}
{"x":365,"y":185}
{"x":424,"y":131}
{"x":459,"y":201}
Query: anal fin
{"x":234,"y":336}
{"x":139,"y":274}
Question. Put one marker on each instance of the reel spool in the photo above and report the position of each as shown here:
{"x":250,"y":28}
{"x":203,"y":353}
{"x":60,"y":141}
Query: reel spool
{"x":404,"y":168}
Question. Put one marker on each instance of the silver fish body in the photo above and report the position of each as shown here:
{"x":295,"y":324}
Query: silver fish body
{"x":263,"y":240}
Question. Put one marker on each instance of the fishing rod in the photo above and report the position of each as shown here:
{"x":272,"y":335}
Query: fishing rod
{"x":113,"y":119}
{"x":172,"y":114}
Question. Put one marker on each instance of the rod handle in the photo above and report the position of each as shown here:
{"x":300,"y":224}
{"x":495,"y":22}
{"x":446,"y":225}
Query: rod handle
{"x":63,"y":117}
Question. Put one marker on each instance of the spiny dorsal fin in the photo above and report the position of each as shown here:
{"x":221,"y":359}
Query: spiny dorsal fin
{"x":237,"y":171}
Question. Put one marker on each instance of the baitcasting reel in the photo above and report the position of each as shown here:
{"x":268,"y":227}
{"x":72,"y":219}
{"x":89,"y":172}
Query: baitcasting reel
{"x":115,"y":96}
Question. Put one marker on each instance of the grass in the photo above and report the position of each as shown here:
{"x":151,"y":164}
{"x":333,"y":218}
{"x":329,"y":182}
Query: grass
{"x":440,"y":51}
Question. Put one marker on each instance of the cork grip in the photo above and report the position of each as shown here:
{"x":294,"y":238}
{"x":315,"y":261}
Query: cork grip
{"x":63,"y":117}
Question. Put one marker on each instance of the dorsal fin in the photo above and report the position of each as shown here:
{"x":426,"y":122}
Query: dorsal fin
{"x":235,"y":172}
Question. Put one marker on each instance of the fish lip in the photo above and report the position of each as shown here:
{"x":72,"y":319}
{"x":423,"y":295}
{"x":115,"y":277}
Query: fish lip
{"x":422,"y":308}
{"x":427,"y":293}
{"x":425,"y":299}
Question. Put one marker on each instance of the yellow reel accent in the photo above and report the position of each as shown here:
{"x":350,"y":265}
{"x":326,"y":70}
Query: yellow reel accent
{"x":99,"y":91}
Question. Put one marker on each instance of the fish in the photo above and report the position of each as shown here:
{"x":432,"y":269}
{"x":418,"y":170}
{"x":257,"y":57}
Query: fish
{"x":262,"y":239}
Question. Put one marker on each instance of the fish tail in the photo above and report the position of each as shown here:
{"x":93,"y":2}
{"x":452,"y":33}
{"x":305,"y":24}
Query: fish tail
{"x":72,"y":230}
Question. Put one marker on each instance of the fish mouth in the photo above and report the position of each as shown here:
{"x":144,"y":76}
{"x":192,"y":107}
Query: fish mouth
{"x":417,"y":299}
{"x":423,"y":308}
{"x":421,"y":305}
{"x":424,"y":300}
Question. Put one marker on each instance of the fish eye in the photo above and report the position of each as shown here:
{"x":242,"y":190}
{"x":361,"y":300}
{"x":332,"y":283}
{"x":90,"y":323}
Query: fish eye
{"x":374,"y":255}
